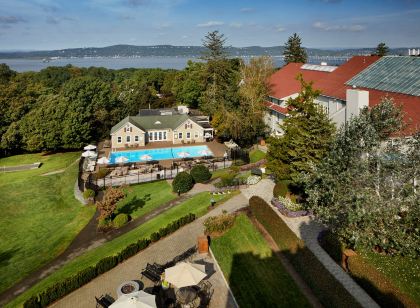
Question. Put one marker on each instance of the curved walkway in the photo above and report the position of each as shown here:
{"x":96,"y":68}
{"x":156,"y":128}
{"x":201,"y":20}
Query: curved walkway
{"x":308,"y":230}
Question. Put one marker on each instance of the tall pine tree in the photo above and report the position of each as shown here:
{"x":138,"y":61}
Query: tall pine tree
{"x":382,"y":50}
{"x":293,"y":51}
{"x":307,"y":134}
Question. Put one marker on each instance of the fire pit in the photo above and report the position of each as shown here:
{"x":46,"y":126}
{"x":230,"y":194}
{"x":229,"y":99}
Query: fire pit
{"x":128,"y":287}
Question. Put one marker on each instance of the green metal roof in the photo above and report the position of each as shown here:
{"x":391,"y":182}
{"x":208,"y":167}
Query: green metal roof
{"x":393,"y":73}
{"x":146,"y":123}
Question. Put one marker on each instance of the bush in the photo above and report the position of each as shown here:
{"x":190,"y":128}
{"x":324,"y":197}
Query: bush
{"x":120,"y":220}
{"x":219,"y":224}
{"x":102,"y":172}
{"x":104,"y":224}
{"x":281,"y":188}
{"x":183,"y":182}
{"x":239,"y":162}
{"x":290,"y":204}
{"x":200,"y":173}
{"x":256,"y":171}
{"x":88,"y":193}
{"x":327,"y":289}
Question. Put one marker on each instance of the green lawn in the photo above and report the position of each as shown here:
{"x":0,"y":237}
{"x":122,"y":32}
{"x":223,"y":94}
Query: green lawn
{"x":256,"y":277}
{"x":40,"y":216}
{"x":256,"y":155}
{"x":198,"y":205}
{"x":403,"y":272}
{"x":143,"y":198}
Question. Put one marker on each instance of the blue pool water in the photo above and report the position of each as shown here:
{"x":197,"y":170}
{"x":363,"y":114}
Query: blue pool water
{"x":161,"y":154}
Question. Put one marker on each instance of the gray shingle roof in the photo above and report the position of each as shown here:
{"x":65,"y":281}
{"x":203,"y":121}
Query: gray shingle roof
{"x":393,"y":74}
{"x":152,"y":122}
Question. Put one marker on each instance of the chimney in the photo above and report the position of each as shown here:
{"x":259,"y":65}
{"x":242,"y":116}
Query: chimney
{"x":355,"y":101}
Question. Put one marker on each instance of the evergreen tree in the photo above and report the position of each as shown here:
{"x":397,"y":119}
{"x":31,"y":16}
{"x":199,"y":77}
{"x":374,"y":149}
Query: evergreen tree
{"x":214,"y":42}
{"x":382,"y":50}
{"x":307,"y":135}
{"x":293,"y":51}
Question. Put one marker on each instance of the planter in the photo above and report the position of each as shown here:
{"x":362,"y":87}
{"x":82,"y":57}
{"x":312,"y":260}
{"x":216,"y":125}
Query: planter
{"x":286,"y":212}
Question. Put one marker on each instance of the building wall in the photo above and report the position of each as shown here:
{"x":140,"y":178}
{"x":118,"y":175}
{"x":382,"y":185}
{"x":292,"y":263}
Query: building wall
{"x":135,"y":131}
{"x":273,"y":119}
{"x":196,"y":133}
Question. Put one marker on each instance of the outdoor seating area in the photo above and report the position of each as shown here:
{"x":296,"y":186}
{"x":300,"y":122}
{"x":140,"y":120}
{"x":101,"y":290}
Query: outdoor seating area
{"x":180,"y":282}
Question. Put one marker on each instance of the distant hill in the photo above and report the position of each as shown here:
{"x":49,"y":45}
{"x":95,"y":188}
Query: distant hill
{"x":178,"y":51}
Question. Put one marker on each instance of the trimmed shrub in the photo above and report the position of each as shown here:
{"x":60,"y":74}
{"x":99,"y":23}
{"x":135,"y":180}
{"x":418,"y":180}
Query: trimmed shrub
{"x":219,"y":224}
{"x":256,"y":171}
{"x":239,"y":162}
{"x":104,"y":224}
{"x":200,"y":173}
{"x":88,"y":193}
{"x":183,"y":182}
{"x":281,"y":188}
{"x":327,"y":289}
{"x":69,"y":284}
{"x":120,"y":220}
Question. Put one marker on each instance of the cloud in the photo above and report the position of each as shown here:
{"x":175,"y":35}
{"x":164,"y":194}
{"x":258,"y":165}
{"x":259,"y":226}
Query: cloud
{"x":343,"y":28}
{"x":247,"y":10}
{"x":211,"y":23}
{"x":52,"y":20}
{"x":236,"y":25}
{"x":280,"y":28}
{"x":10,"y":20}
{"x":184,"y":36}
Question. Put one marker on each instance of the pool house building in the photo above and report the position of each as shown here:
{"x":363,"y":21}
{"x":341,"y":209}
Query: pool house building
{"x":137,"y":131}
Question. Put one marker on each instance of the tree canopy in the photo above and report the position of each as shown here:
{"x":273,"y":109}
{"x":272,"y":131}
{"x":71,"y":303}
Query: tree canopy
{"x":293,"y":51}
{"x":382,"y":50}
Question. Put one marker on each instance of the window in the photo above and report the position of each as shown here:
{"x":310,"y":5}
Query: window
{"x":186,"y":125}
{"x":175,"y":135}
{"x":196,"y":135}
{"x":180,"y":135}
{"x":155,"y":136}
{"x":136,"y":138}
{"x":128,"y":139}
{"x":188,"y":135}
{"x":150,"y":136}
{"x":119,"y":139}
{"x":164,"y":135}
{"x":160,"y":135}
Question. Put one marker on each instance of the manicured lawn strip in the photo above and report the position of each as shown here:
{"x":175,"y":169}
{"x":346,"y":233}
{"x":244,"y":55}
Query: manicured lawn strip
{"x":256,"y":155}
{"x":327,"y":289}
{"x":198,"y":205}
{"x":220,"y":173}
{"x":391,"y":280}
{"x":143,"y":198}
{"x":256,"y":277}
{"x":40,"y":216}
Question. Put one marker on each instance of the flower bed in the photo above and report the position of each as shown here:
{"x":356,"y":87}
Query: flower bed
{"x":253,"y":179}
{"x":254,"y":165}
{"x":286,"y":212}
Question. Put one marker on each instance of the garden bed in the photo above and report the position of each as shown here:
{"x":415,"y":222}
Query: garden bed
{"x":286,"y":212}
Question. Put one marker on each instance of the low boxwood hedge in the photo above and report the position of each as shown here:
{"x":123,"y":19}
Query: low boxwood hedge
{"x":68,"y":285}
{"x":325,"y":287}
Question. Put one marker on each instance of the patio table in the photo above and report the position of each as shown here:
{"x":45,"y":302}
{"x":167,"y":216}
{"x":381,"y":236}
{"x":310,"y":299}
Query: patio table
{"x":186,"y":295}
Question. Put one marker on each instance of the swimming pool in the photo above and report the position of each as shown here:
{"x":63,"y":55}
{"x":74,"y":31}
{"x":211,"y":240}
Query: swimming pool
{"x":160,"y":154}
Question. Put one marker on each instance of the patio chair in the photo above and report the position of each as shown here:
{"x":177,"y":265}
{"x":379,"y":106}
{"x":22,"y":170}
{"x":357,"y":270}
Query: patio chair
{"x":103,"y":301}
{"x":151,"y":273}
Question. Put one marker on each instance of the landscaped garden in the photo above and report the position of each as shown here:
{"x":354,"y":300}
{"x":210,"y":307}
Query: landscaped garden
{"x":40,"y":216}
{"x":197,"y":205}
{"x":256,"y":276}
{"x":256,"y":155}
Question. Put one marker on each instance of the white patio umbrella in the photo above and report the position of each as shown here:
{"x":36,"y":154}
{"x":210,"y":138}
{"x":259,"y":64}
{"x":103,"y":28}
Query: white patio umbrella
{"x":89,"y":154}
{"x":121,"y":160}
{"x":139,"y":299}
{"x":89,"y":147}
{"x":185,"y":274}
{"x":103,"y":161}
{"x":183,"y":154}
{"x":205,"y":153}
{"x":146,"y":157}
{"x":207,"y":135}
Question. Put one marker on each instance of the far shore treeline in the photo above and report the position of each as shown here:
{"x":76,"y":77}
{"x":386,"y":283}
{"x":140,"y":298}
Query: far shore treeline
{"x":63,"y":108}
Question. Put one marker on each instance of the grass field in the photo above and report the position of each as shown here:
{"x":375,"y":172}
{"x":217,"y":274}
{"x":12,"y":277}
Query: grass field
{"x":197,"y":205}
{"x":40,"y":216}
{"x":256,"y":277}
{"x":143,"y":198}
{"x":256,"y":155}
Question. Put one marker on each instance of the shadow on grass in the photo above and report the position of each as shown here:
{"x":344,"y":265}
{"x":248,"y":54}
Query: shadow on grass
{"x":5,"y":256}
{"x":134,"y":204}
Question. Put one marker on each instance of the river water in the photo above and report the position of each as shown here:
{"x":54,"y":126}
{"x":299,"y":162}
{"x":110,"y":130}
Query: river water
{"x":23,"y":65}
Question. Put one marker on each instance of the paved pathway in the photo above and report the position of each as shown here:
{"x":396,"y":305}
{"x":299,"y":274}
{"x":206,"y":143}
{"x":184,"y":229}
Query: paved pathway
{"x":308,"y":230}
{"x":160,"y":252}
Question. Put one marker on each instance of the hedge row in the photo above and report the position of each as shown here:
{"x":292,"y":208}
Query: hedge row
{"x":68,"y":285}
{"x":326,"y":288}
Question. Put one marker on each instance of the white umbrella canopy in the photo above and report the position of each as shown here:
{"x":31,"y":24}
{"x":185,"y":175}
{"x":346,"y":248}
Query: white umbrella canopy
{"x":207,"y":135}
{"x":89,"y":154}
{"x":89,"y":147}
{"x":121,"y":159}
{"x":146,"y":157}
{"x":183,"y":154}
{"x":139,"y":299}
{"x":205,"y":153}
{"x":185,"y":274}
{"x":103,"y":161}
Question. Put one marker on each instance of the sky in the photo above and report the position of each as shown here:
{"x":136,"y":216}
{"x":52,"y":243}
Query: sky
{"x":59,"y":24}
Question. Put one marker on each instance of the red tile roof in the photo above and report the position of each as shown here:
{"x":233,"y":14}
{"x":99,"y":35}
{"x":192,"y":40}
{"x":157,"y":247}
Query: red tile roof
{"x":283,"y":83}
{"x":277,"y":108}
